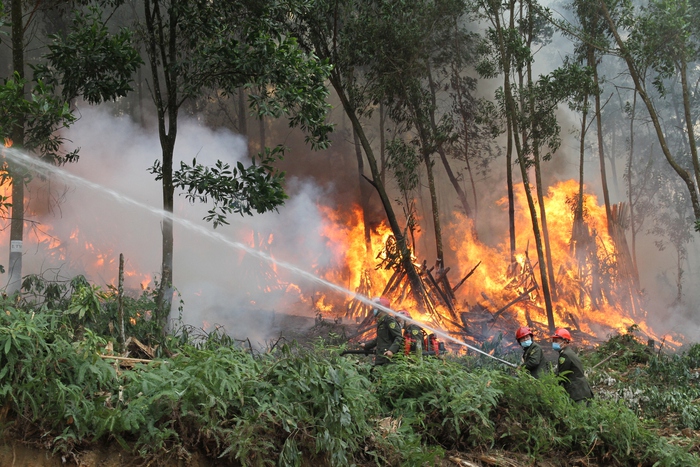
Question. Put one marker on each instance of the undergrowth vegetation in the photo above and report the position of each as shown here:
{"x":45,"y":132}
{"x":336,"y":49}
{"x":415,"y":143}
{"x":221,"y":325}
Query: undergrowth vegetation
{"x":295,"y":405}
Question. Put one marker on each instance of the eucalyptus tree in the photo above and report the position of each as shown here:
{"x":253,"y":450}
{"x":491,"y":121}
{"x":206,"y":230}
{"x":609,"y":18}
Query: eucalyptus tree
{"x":226,"y":45}
{"x":528,"y":109}
{"x":661,"y":36}
{"x":334,"y":30}
{"x":589,"y":51}
{"x":537,"y":33}
{"x":414,"y":58}
{"x":30,"y":119}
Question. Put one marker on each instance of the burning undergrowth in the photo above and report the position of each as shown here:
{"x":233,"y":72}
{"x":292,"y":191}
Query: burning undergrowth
{"x":483,"y":293}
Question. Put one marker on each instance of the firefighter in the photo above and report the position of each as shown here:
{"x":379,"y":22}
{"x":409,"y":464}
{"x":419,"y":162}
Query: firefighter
{"x":389,"y":339}
{"x":412,"y":336}
{"x":533,"y":357}
{"x":569,"y":368}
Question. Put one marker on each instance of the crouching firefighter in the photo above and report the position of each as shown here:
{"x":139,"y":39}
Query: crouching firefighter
{"x":389,"y":339}
{"x":412,"y":336}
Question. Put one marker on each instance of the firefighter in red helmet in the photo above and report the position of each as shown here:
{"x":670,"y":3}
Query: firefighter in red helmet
{"x":389,"y":339}
{"x":569,"y":367}
{"x":533,"y":357}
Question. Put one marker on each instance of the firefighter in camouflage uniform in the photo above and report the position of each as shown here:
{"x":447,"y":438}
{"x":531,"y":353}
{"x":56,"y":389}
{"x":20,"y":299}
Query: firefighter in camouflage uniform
{"x":389,"y":339}
{"x":533,"y":357}
{"x":569,"y":367}
{"x":412,"y":336}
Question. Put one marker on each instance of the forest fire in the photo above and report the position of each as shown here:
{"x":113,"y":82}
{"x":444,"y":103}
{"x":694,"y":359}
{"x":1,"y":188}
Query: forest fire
{"x":59,"y":251}
{"x":487,"y":291}
{"x":591,"y":298}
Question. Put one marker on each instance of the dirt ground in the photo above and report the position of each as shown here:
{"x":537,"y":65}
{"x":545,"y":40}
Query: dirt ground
{"x":15,"y":454}
{"x":19,"y":455}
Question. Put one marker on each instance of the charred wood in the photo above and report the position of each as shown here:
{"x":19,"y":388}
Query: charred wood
{"x":459,"y":284}
{"x":522,"y":296}
{"x":574,"y":321}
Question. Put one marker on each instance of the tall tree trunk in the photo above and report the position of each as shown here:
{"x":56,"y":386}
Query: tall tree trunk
{"x":582,"y":151}
{"x":382,"y":144}
{"x":593,"y":64}
{"x":160,"y":52}
{"x":580,"y":237}
{"x":406,"y":262}
{"x":538,"y":171}
{"x":18,"y":173}
{"x":511,"y":114}
{"x":509,"y":182}
{"x":426,"y":147}
{"x":462,"y":106}
{"x":633,"y":231}
{"x":364,"y":195}
{"x":434,"y":204}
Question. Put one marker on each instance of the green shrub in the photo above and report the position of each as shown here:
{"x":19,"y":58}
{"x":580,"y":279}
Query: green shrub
{"x":442,"y":402}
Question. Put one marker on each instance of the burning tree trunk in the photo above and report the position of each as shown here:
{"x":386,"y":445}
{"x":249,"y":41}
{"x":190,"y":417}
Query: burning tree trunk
{"x":535,"y":225}
{"x":406,"y":262}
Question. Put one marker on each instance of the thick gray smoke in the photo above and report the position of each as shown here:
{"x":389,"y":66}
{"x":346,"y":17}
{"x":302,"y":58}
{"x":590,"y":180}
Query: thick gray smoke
{"x":218,"y":284}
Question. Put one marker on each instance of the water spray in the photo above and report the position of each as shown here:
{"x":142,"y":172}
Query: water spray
{"x":32,"y":163}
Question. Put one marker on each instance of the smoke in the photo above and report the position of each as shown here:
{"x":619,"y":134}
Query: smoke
{"x":218,"y":284}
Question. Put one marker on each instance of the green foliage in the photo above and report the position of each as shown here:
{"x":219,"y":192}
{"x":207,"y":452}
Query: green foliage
{"x":242,"y":190}
{"x":58,"y":385}
{"x":538,"y":417}
{"x":90,"y":62}
{"x":301,"y":406}
{"x":654,"y":385}
{"x":404,"y":163}
{"x":224,"y":46}
{"x":86,"y":301}
{"x":441,"y":401}
{"x":43,"y":113}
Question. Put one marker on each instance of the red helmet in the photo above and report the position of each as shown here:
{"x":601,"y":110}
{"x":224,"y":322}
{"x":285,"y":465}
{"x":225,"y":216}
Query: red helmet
{"x":383,"y":301}
{"x":522,"y":332}
{"x":404,"y":313}
{"x":562,"y":333}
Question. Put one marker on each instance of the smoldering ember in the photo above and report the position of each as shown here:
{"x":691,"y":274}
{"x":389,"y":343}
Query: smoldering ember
{"x":190,"y":178}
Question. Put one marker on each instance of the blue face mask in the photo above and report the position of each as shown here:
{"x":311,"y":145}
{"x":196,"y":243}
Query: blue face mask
{"x":375,"y":311}
{"x":556,"y":345}
{"x":526,"y":343}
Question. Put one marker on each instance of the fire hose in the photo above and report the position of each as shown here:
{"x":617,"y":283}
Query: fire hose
{"x":426,"y":353}
{"x":436,"y":331}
